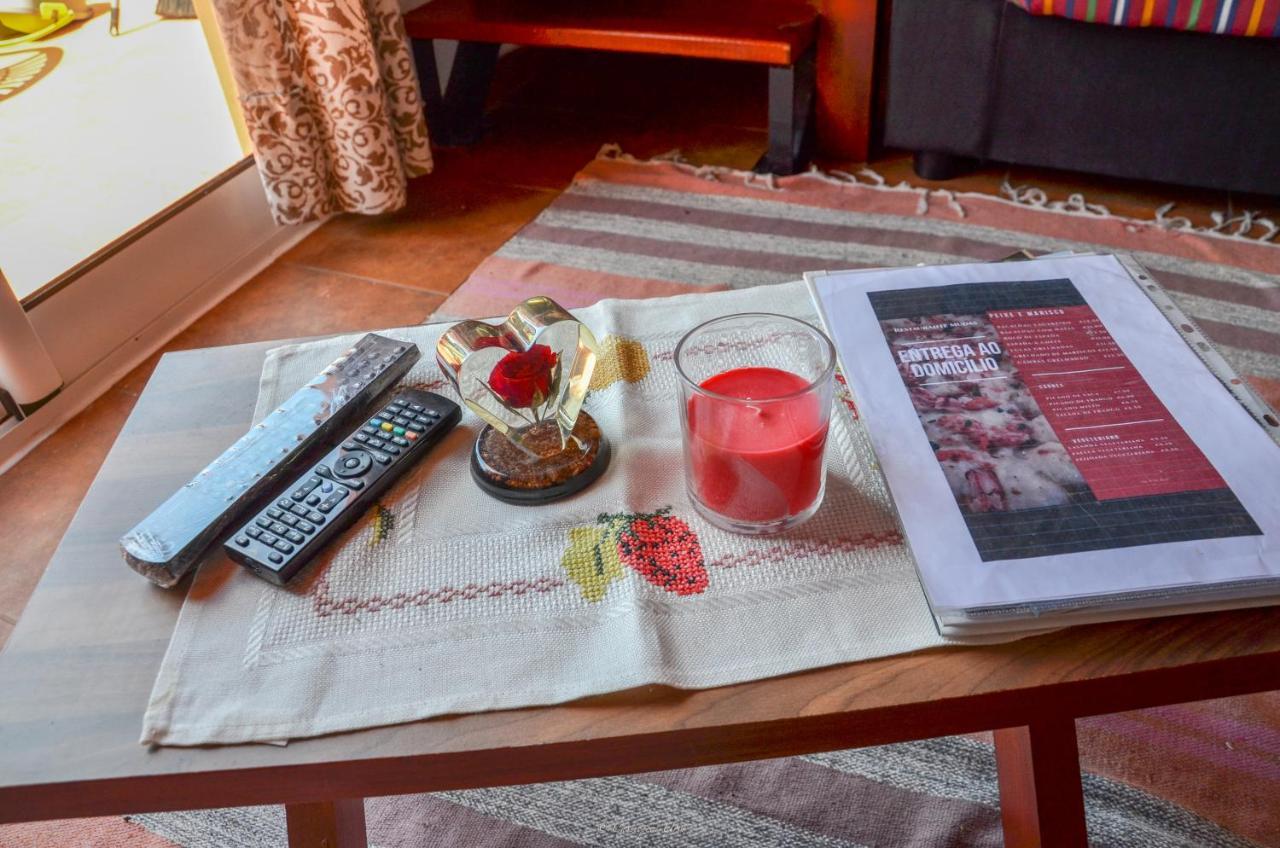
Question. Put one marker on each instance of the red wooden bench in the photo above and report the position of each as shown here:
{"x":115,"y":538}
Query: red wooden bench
{"x":777,"y":33}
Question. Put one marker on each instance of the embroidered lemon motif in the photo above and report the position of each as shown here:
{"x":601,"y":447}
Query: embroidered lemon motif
{"x":620,"y":358}
{"x":384,"y":521}
{"x":592,"y":560}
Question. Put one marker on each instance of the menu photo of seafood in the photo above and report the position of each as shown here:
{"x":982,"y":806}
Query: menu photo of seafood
{"x":995,"y":446}
{"x":1049,"y":438}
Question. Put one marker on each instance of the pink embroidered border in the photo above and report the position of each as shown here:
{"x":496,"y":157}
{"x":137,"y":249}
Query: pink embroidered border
{"x":325,"y":605}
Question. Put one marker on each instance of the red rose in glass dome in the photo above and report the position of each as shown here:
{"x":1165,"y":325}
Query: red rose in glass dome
{"x":523,"y":379}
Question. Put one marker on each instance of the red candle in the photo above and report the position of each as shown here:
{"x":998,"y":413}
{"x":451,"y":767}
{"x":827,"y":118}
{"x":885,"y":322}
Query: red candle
{"x":761,"y":461}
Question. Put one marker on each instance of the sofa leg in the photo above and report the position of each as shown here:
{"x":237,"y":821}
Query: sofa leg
{"x":932,"y":165}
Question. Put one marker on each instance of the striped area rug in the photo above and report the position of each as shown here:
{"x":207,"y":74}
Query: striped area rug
{"x":1205,"y":774}
{"x":643,"y":229}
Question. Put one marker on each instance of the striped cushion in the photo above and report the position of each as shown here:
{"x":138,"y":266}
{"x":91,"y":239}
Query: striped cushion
{"x":1231,"y":17}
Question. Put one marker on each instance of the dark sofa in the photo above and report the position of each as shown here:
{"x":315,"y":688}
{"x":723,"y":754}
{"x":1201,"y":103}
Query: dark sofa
{"x":982,"y":79}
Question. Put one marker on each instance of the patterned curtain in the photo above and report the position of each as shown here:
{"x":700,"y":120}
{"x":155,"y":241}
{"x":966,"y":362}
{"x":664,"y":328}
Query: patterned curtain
{"x":330,"y":98}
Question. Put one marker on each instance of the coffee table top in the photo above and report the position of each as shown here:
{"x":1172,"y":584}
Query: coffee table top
{"x":78,"y":671}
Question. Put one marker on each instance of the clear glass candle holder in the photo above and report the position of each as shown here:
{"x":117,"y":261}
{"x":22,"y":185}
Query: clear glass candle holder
{"x":755,"y":405}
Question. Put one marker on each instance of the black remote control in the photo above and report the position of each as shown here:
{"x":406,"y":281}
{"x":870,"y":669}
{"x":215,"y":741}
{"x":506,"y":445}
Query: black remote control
{"x":280,"y":540}
{"x":167,"y":543}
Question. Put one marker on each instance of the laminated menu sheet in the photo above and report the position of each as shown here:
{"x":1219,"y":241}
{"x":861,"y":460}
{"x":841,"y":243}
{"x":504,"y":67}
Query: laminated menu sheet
{"x":1052,"y":442}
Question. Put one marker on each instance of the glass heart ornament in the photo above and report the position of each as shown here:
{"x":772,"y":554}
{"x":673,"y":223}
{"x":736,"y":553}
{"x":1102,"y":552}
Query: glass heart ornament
{"x":527,"y":379}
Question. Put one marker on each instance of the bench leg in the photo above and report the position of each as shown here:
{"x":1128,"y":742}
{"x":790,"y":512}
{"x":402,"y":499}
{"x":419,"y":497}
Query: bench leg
{"x":469,"y":81}
{"x":424,"y":59}
{"x":455,"y":116}
{"x":1041,"y":800}
{"x":327,"y":824}
{"x":790,"y":118}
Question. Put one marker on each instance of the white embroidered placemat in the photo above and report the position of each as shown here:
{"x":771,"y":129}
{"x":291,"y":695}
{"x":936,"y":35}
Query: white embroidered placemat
{"x":443,"y":600}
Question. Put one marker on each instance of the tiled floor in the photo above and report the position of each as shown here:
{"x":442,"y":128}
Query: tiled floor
{"x":550,"y":113}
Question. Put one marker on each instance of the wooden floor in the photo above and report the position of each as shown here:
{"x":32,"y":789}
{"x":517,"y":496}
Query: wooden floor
{"x":550,"y":112}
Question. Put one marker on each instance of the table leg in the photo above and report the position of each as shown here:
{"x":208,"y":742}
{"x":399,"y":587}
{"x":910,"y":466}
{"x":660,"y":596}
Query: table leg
{"x":327,"y":824}
{"x":1041,"y":801}
{"x":846,"y":58}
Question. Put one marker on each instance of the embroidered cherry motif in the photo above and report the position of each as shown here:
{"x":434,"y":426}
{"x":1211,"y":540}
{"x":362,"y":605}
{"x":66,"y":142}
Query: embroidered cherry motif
{"x":661,"y":548}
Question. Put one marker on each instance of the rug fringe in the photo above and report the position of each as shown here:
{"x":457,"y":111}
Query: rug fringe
{"x":711,"y":173}
{"x":1241,"y":225}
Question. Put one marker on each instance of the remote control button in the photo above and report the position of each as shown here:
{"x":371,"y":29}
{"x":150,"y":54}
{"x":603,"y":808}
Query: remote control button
{"x":327,"y":488}
{"x":289,"y":519}
{"x":399,"y":431}
{"x":284,"y":547}
{"x":295,"y":536}
{"x":400,"y":422}
{"x":361,"y":437}
{"x":371,"y":429}
{"x":387,"y":426}
{"x":416,"y":407}
{"x":353,"y":464}
{"x":323,"y":471}
{"x":416,"y":428}
{"x":401,"y":442}
{"x":411,"y":436}
{"x":278,"y":528}
{"x":284,"y":503}
{"x":328,"y":505}
{"x":315,"y":517}
{"x":376,"y":444}
{"x":354,"y":483}
{"x":350,"y":446}
{"x":306,"y":527}
{"x":392,"y":449}
{"x":299,"y":510}
{"x":298,"y":495}
{"x":253,"y":532}
{"x":341,"y":493}
{"x":313,"y":500}
{"x":262,"y":521}
{"x":242,"y":541}
{"x":382,"y":458}
{"x":273,"y":512}
{"x":384,"y":417}
{"x":395,"y":408}
{"x":275,"y":557}
{"x":267,"y":539}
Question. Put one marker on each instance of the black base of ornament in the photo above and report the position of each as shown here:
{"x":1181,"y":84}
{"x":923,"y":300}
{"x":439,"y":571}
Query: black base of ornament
{"x":505,"y":472}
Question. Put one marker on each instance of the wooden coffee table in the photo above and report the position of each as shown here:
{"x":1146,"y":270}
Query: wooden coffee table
{"x":76,"y":675}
